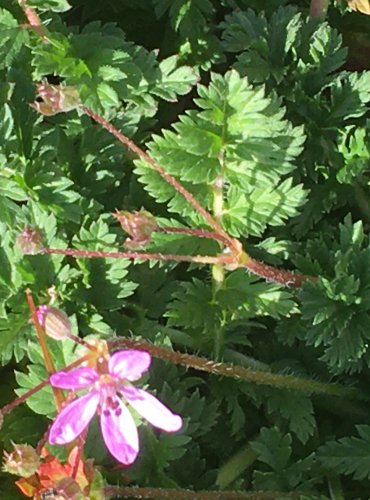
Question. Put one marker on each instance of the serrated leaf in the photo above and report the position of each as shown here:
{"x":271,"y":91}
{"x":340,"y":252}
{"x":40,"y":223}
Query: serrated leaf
{"x":50,"y":5}
{"x":273,"y":448}
{"x":174,"y":81}
{"x":349,"y":455}
{"x":256,"y":146}
{"x":12,"y":38}
{"x":349,"y":95}
{"x":295,"y":408}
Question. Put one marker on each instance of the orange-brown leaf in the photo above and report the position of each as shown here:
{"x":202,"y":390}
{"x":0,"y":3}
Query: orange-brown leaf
{"x":360,"y":5}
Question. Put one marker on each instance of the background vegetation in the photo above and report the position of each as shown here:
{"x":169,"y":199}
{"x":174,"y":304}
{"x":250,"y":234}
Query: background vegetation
{"x":260,"y":111}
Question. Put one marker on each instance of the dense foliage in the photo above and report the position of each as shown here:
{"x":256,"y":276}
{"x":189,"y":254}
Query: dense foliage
{"x":261,"y":112}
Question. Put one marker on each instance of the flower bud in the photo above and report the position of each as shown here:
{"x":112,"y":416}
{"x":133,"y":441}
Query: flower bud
{"x":29,"y":241}
{"x":139,"y":225}
{"x":55,"y":323}
{"x":55,"y":99}
{"x":23,"y":461}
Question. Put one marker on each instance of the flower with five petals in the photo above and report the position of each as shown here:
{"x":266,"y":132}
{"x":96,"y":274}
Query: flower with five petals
{"x":111,"y":378}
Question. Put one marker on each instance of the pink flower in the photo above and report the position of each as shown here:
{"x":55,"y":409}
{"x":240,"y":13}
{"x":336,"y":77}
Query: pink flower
{"x":117,"y":425}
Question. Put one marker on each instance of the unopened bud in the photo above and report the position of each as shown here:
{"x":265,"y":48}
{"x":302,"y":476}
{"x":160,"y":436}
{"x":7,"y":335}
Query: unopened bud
{"x":29,"y":241}
{"x":139,"y":225}
{"x":55,"y":323}
{"x":23,"y":461}
{"x":55,"y":99}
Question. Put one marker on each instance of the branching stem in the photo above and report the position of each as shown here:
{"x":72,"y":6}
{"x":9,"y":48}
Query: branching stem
{"x":165,"y":175}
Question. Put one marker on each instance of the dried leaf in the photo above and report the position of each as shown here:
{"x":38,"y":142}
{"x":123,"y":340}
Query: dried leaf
{"x":360,"y":5}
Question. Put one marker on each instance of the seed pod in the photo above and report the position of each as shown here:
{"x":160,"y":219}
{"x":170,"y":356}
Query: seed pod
{"x":23,"y":461}
{"x":29,"y":241}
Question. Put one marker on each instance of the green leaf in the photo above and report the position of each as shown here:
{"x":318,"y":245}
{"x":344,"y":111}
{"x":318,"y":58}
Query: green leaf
{"x":349,"y":95}
{"x":174,"y":81}
{"x":249,"y":143}
{"x":349,"y":455}
{"x":105,"y":280}
{"x":50,"y":5}
{"x":273,"y":448}
{"x":12,"y":38}
{"x":295,"y":408}
{"x":354,"y":147}
{"x":187,"y":17}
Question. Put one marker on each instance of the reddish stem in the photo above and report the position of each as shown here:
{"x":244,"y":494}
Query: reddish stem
{"x":21,"y":399}
{"x":165,"y":175}
{"x":82,"y":342}
{"x":90,"y":254}
{"x":81,"y":442}
{"x":33,"y":19}
{"x":49,"y":365}
{"x":270,"y":273}
{"x":200,"y":233}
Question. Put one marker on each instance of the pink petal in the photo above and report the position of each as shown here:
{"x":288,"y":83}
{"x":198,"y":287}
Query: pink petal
{"x":119,"y":432}
{"x":129,"y":365}
{"x":80,"y":378}
{"x":74,"y":419}
{"x":152,"y":409}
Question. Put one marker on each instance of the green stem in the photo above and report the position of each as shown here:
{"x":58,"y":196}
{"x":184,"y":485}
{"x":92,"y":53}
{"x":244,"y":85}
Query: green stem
{"x":259,"y":377}
{"x":235,"y":466}
{"x":218,"y":270}
{"x":335,"y":488}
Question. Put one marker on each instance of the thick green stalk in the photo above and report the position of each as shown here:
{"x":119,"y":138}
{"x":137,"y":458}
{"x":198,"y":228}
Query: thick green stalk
{"x":218,"y":270}
{"x":260,"y":377}
{"x":235,"y":466}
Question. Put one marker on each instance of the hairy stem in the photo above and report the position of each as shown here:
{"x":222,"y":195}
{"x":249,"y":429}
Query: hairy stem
{"x":201,"y":233}
{"x":91,"y":254}
{"x":180,"y":494}
{"x":276,"y":275}
{"x":260,"y":377}
{"x":33,"y":19}
{"x":270,"y":273}
{"x":165,"y":175}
